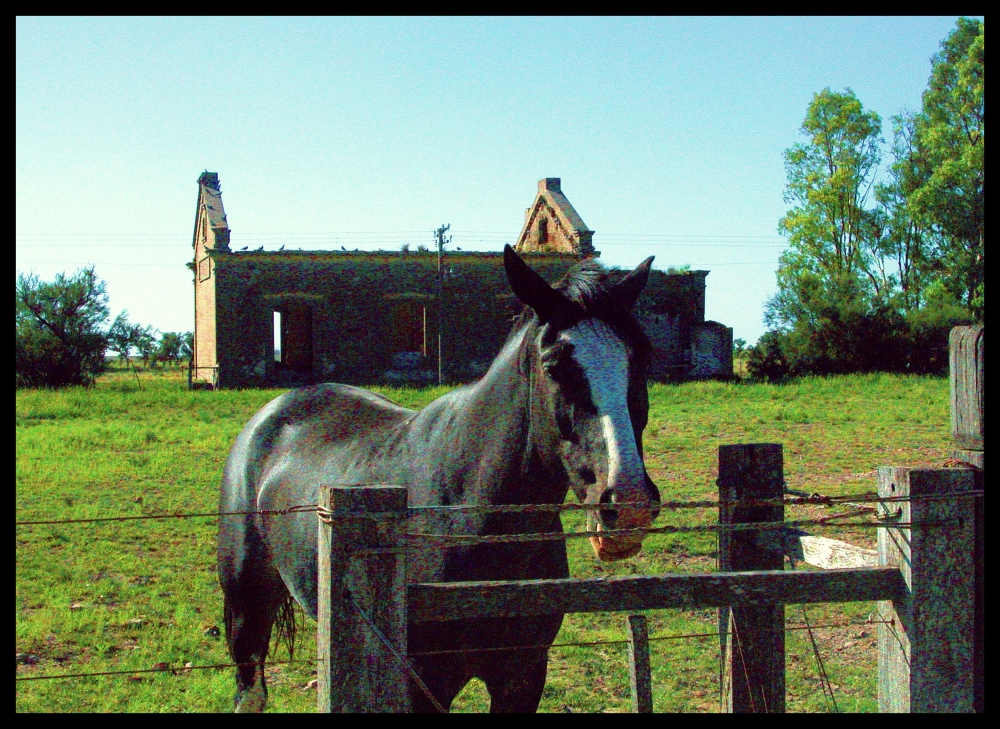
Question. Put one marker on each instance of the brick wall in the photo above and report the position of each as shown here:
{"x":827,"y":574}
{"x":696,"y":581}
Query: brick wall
{"x":355,"y":297}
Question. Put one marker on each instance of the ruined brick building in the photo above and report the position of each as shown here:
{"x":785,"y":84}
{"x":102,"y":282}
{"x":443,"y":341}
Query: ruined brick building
{"x":291,"y":317}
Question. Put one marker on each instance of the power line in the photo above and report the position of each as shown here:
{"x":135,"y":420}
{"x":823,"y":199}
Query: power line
{"x":505,"y":233}
{"x":180,"y":265}
{"x":38,"y":245}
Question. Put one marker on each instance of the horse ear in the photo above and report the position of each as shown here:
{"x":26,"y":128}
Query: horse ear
{"x":626,"y":292}
{"x":530,"y":288}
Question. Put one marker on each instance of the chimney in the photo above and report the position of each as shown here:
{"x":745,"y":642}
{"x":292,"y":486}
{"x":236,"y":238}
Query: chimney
{"x":551,"y":184}
{"x":209,"y":179}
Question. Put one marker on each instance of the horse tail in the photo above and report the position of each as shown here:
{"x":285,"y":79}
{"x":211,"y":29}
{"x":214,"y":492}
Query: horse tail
{"x":286,"y":622}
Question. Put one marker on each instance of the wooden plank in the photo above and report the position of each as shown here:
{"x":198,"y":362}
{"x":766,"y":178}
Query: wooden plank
{"x":926,"y":649}
{"x":437,"y":601}
{"x":365,"y":577}
{"x":968,"y":419}
{"x":752,"y":635}
{"x":978,"y":461}
{"x":639,"y":674}
{"x":968,"y":405}
{"x":329,"y":613}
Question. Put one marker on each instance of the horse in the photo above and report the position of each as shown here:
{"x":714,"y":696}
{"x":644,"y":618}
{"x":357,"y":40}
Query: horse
{"x":562,"y":407}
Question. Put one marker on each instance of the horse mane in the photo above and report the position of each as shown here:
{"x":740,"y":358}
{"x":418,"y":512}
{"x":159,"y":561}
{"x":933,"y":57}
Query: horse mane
{"x":588,"y":285}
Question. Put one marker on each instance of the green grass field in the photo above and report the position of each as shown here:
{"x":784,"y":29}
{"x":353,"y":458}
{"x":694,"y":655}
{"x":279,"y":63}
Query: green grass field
{"x":124,"y":596}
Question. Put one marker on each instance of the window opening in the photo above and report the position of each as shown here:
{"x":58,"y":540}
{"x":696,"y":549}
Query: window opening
{"x":409,"y":328}
{"x":296,"y":338}
{"x":277,"y":336}
{"x":293,"y":338}
{"x":543,"y":232}
{"x":408,"y":336}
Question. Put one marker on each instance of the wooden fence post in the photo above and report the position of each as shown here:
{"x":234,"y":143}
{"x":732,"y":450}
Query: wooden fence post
{"x":752,"y":638}
{"x":967,"y":359}
{"x":362,"y":573}
{"x":926,"y":651}
{"x":639,"y":673}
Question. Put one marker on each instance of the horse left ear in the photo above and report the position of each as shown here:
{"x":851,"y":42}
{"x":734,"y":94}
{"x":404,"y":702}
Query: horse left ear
{"x":530,"y":288}
{"x":626,"y":292}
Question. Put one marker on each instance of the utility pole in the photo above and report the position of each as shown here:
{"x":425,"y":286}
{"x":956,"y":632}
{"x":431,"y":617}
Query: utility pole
{"x":440,"y":240}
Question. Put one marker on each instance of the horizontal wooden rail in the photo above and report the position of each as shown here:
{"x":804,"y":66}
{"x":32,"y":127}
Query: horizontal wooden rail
{"x":430,"y":602}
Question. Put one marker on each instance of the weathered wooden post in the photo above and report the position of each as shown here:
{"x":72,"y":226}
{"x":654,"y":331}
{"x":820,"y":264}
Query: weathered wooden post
{"x":639,"y":673}
{"x":752,"y":637}
{"x":362,"y":593}
{"x":967,"y":361}
{"x":925,"y":650}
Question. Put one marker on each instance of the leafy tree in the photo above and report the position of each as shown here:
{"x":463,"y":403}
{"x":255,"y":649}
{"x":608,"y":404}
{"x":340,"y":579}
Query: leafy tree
{"x":169,"y":348}
{"x":906,"y":244}
{"x":123,"y":337}
{"x":739,"y":347}
{"x":147,"y":345}
{"x":187,"y":345}
{"x":59,"y":339}
{"x":829,"y":181}
{"x":831,"y":275}
{"x":950,"y":135}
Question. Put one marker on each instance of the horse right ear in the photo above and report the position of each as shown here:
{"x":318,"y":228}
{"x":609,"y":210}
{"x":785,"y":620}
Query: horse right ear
{"x":530,"y":288}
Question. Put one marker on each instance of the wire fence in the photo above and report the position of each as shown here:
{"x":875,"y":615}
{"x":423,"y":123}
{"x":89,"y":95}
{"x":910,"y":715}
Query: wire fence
{"x":858,"y":502}
{"x":180,"y":670}
{"x":814,"y":499}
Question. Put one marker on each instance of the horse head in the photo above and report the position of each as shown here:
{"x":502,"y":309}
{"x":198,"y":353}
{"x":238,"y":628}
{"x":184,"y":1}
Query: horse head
{"x":589,"y":404}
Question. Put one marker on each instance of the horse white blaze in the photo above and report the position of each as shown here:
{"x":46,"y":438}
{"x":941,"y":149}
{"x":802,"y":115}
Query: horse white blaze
{"x":604,"y":360}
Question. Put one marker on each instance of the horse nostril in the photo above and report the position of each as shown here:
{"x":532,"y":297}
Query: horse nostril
{"x":609,"y":517}
{"x":588,"y":476}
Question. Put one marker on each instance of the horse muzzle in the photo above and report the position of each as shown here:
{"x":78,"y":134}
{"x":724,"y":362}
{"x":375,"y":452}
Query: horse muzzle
{"x":626,"y":517}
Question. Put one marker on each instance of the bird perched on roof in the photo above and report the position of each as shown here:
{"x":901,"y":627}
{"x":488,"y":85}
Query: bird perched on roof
{"x":261,"y":248}
{"x":282,"y":248}
{"x":244,"y":248}
{"x":458,"y":248}
{"x":342,"y":248}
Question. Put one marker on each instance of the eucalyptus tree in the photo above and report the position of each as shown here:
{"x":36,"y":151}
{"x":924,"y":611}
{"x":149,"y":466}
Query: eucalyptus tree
{"x":948,"y":191}
{"x":830,"y":180}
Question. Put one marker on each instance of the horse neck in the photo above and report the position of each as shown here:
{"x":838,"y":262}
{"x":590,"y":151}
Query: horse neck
{"x":500,"y":405}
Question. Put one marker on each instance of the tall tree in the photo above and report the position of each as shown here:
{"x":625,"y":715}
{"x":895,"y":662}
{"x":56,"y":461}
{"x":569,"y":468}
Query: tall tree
{"x":950,"y":138}
{"x":830,"y":178}
{"x":905,"y":244}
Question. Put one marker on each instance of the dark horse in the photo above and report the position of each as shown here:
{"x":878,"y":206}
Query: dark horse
{"x":563,"y":406}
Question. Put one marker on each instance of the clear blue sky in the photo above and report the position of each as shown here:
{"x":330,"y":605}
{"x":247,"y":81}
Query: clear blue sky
{"x":667,"y":133}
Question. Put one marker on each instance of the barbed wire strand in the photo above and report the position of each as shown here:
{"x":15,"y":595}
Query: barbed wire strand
{"x":815,"y":499}
{"x":824,"y":679}
{"x":179,"y":670}
{"x":469,"y":539}
{"x":304,"y":508}
{"x":170,"y":670}
{"x":739,"y":646}
{"x":403,"y":661}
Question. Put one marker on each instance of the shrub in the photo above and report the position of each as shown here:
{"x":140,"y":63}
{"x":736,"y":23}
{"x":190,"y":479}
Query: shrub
{"x":59,"y":338}
{"x":767,"y":359}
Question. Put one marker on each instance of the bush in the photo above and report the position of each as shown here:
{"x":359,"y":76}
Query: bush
{"x":927,"y":342}
{"x":59,"y":338}
{"x":767,"y":360}
{"x":842,"y":341}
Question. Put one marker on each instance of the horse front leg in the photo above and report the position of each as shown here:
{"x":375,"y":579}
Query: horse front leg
{"x":516,"y":684}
